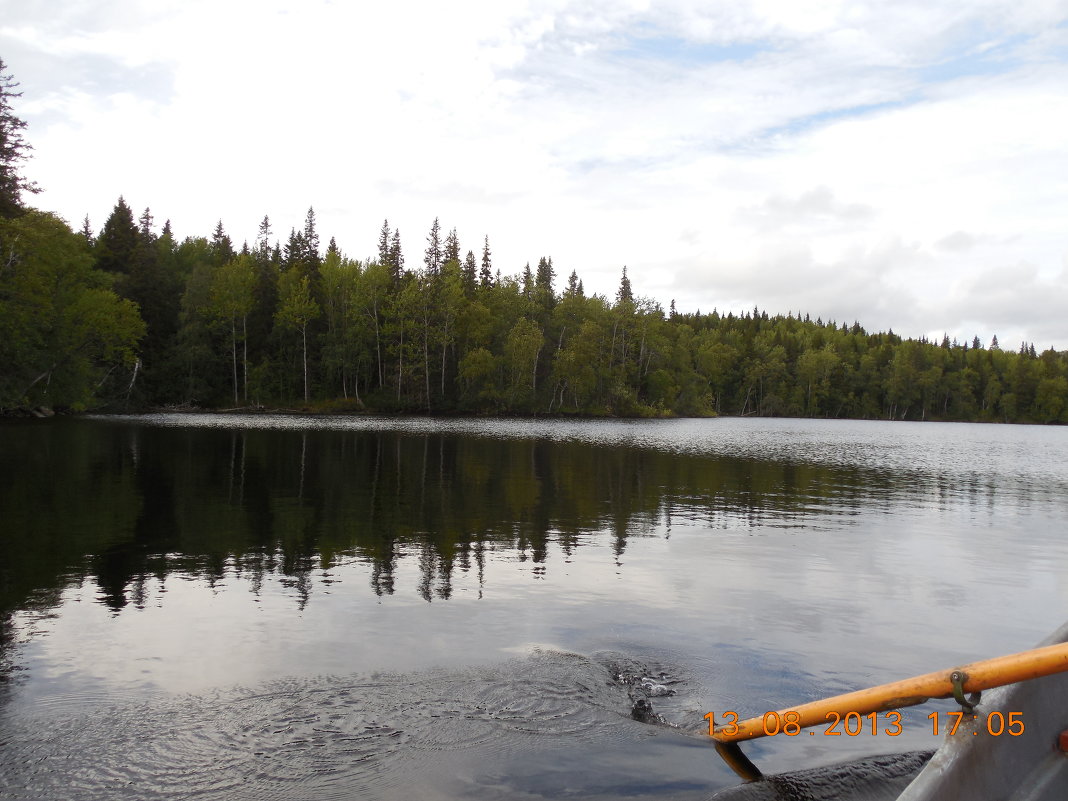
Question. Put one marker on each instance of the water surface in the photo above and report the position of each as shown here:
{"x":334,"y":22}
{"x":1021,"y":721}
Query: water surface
{"x":219,"y":606}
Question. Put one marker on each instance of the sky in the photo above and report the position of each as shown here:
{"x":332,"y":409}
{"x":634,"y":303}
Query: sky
{"x":900,"y":164}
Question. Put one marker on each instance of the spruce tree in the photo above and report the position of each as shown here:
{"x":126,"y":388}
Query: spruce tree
{"x":528,"y":282}
{"x":311,"y":242}
{"x":144,"y":225}
{"x":157,"y":294}
{"x":573,"y":290}
{"x":222,"y":249}
{"x":13,"y":149}
{"x":116,"y":243}
{"x":452,"y":247}
{"x":293,"y":252}
{"x":545,"y":276}
{"x":543,"y":284}
{"x":485,"y":274}
{"x":432,"y":259}
{"x":383,"y":244}
{"x":263,"y":238}
{"x":470,"y":273}
{"x":87,"y":232}
{"x":396,"y":258}
{"x":624,"y":294}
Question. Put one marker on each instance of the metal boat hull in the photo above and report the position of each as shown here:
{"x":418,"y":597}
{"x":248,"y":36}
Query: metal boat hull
{"x":974,"y":765}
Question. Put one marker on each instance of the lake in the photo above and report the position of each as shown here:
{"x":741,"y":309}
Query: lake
{"x":250,"y":607}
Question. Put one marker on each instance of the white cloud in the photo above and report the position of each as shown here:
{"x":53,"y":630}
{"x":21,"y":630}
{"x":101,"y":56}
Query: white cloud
{"x":854,"y":160}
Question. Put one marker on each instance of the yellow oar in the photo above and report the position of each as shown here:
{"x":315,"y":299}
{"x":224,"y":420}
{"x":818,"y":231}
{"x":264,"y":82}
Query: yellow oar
{"x":908,"y":692}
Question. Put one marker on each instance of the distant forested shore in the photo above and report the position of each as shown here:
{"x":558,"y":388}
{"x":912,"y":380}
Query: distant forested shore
{"x":129,"y":318}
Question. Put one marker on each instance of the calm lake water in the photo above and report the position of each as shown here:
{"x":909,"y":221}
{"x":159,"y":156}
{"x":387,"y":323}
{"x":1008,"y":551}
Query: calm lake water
{"x":257,"y":607}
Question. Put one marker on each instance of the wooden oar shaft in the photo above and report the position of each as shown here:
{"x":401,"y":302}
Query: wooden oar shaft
{"x":909,"y":692}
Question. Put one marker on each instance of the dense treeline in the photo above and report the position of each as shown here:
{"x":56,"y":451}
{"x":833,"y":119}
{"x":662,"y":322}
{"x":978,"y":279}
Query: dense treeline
{"x":131,"y":317}
{"x":275,"y":325}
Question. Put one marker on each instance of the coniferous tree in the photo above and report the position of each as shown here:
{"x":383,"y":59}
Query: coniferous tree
{"x":144,"y":225}
{"x":383,"y":243}
{"x":543,"y":284}
{"x":573,"y":286}
{"x":624,"y":294}
{"x":528,"y":282}
{"x":263,"y":237}
{"x":452,"y":247}
{"x":117,"y":241}
{"x":152,"y":283}
{"x":485,"y":274}
{"x":470,"y":273}
{"x":13,"y":149}
{"x":432,"y":259}
{"x":87,"y":232}
{"x":310,"y":239}
{"x":396,"y":258}
{"x":293,"y":251}
{"x":268,"y":264}
{"x":222,"y":249}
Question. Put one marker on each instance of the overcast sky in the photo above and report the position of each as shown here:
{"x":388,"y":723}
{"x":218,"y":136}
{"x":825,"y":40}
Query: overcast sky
{"x":903,"y":164}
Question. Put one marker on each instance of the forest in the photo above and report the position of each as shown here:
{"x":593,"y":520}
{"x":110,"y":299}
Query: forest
{"x":129,"y":318}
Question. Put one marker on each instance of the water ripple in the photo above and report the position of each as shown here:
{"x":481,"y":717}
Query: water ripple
{"x":329,"y":737}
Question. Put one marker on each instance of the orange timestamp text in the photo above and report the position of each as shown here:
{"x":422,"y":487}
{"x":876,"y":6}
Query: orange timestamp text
{"x":853,"y":724}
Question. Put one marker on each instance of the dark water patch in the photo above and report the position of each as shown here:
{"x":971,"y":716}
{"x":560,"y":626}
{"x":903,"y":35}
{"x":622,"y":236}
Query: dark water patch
{"x":881,"y":778}
{"x":124,"y":502}
{"x":335,"y":737}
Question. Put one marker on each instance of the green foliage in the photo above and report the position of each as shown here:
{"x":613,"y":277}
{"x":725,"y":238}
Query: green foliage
{"x":262,"y":328}
{"x":297,"y":308}
{"x":13,"y":149}
{"x":63,"y":331}
{"x":117,"y":242}
{"x":135,"y":316}
{"x":232,"y":299}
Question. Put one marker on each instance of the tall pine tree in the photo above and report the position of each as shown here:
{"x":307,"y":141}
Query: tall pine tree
{"x":396,"y":258}
{"x":432,"y":259}
{"x":485,"y":274}
{"x":383,"y":244}
{"x":13,"y":149}
{"x":470,"y":273}
{"x":222,"y":249}
{"x":452,"y":247}
{"x":117,"y":241}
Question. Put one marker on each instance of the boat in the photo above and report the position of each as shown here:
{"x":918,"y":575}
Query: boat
{"x":974,"y":764}
{"x":1010,"y":744}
